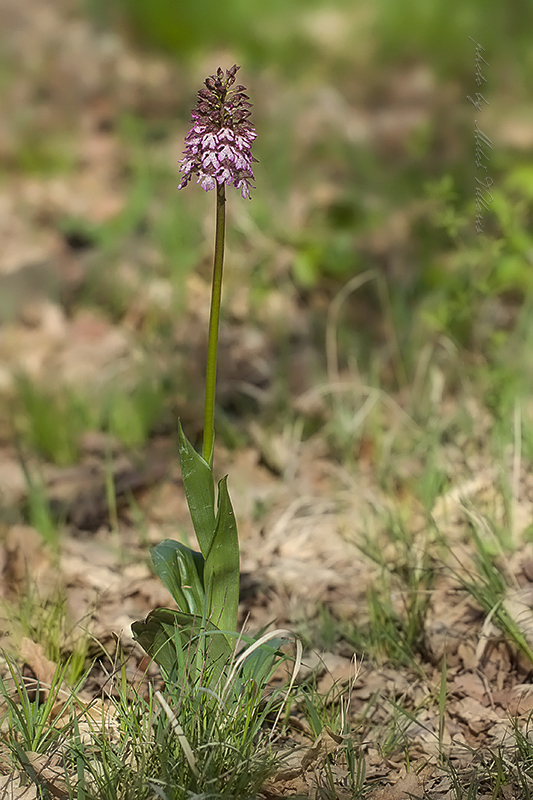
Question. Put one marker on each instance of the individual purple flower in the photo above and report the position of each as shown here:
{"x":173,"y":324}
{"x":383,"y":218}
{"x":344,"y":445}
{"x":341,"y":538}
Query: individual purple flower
{"x":218,"y":146}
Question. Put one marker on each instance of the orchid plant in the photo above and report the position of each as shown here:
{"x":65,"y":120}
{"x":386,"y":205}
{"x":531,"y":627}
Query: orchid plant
{"x":205,"y":584}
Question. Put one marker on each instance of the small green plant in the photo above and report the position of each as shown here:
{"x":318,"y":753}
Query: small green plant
{"x":197,"y":643}
{"x":46,"y":621}
{"x":205,"y":585}
{"x":198,"y":740}
{"x":30,"y":710}
{"x":489,"y":584}
{"x":39,"y":513}
{"x":38,"y":421}
{"x":398,"y":602}
{"x":330,"y":713}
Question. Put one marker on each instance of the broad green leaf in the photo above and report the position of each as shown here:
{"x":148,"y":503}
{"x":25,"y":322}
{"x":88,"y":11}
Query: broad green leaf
{"x":165,"y":630}
{"x":199,"y":490}
{"x":221,"y":570}
{"x":181,"y":570}
{"x":156,"y":637}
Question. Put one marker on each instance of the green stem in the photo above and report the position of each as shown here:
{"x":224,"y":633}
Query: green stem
{"x":212,"y":345}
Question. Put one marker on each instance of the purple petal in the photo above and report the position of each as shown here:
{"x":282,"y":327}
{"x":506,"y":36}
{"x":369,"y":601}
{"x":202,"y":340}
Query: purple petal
{"x":209,"y":159}
{"x":206,"y":181}
{"x":226,"y":133}
{"x":187,"y":165}
{"x":245,"y":189}
{"x":241,"y":162}
{"x":241,"y":142}
{"x":227,"y":153}
{"x":184,"y":181}
{"x":209,"y":140}
{"x":225,"y":176}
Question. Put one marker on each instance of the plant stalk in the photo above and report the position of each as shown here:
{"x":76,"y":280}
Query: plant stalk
{"x":212,"y":344}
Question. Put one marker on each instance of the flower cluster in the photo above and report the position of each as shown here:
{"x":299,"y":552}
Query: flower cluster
{"x":218,"y":146}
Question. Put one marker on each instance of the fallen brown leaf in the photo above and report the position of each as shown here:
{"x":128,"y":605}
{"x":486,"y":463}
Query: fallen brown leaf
{"x":49,"y":770}
{"x":34,"y":656}
{"x":11,"y":789}
{"x":408,"y":787}
{"x":24,"y":556}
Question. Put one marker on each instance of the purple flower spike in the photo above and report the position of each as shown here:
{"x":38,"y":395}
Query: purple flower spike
{"x":218,"y":146}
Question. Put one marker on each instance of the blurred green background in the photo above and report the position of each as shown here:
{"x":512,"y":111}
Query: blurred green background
{"x":366,"y":167}
{"x":294,"y":36}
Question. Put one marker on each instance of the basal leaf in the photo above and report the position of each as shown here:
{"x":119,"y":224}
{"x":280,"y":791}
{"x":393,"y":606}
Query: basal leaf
{"x":221,"y":570}
{"x":165,"y":630}
{"x":181,"y":570}
{"x":199,"y":490}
